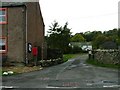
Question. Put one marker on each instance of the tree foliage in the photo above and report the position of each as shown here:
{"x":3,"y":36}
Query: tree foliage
{"x":100,"y":39}
{"x":89,"y":36}
{"x":107,"y":36}
{"x":119,"y":32}
{"x":59,"y":37}
{"x":77,"y":38}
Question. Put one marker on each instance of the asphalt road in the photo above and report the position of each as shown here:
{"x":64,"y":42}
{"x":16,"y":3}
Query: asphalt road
{"x":74,"y":74}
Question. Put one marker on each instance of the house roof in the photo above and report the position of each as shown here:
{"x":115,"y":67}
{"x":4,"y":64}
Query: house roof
{"x":4,"y":4}
{"x":17,"y":4}
{"x":109,"y":45}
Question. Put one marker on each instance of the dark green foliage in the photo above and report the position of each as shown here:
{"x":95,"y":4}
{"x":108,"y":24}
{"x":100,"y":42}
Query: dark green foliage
{"x":90,"y":36}
{"x":104,"y":42}
{"x":119,"y":32}
{"x":107,"y":40}
{"x":59,"y":37}
{"x":54,"y":53}
{"x":100,"y":39}
{"x":76,"y":49}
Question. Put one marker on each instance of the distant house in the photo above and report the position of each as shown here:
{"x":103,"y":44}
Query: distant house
{"x":22,"y":27}
{"x":85,"y":46}
{"x":109,"y":45}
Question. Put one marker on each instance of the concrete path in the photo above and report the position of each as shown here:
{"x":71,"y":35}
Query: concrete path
{"x":74,"y":74}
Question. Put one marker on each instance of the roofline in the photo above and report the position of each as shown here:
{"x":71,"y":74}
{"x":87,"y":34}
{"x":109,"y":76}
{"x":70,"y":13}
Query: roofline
{"x":13,"y":5}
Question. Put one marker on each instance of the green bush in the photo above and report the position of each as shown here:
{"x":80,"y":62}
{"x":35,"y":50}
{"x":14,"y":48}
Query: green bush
{"x":76,"y":49}
{"x":54,"y":53}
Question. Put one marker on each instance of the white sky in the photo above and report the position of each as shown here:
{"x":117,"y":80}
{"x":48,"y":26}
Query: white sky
{"x":81,"y":15}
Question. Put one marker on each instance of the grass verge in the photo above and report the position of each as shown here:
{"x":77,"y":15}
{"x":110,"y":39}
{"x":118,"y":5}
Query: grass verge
{"x":95,"y":63}
{"x":18,"y":70}
{"x":66,"y":57}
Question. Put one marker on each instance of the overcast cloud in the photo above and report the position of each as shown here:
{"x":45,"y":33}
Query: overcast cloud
{"x":82,"y":15}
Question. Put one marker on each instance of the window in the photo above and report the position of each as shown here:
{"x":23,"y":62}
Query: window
{"x":3,"y":15}
{"x":3,"y":46}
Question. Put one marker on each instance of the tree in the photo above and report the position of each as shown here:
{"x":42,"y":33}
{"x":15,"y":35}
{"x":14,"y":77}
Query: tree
{"x":89,"y":36}
{"x":59,"y":37}
{"x":54,"y":28}
{"x":113,"y":35}
{"x":77,"y":38}
{"x":118,"y":39}
{"x":119,"y":32}
{"x":113,"y":32}
{"x":100,"y":39}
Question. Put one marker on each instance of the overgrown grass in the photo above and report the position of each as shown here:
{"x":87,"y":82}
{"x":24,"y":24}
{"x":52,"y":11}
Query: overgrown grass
{"x":95,"y":63}
{"x":66,"y":57}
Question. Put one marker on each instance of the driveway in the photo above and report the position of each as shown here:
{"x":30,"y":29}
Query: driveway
{"x":74,"y":73}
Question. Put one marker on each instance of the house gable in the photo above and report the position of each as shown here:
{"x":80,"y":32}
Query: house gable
{"x":25,"y":25}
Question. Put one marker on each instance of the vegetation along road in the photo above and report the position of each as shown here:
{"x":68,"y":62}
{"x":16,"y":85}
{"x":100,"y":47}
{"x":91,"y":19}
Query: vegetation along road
{"x":74,"y":73}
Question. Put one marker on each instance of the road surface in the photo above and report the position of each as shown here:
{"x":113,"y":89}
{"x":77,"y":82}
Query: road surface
{"x":72,"y":74}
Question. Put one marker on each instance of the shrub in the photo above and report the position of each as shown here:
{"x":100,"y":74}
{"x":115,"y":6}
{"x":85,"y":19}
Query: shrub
{"x":54,"y":53}
{"x":76,"y":49}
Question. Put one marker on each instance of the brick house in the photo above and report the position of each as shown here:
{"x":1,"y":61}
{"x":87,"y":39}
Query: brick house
{"x":22,"y":26}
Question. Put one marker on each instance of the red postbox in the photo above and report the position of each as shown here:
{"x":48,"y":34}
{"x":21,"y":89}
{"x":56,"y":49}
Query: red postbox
{"x":34,"y":51}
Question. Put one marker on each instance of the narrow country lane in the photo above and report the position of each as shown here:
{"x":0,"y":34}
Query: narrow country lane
{"x":74,"y":73}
